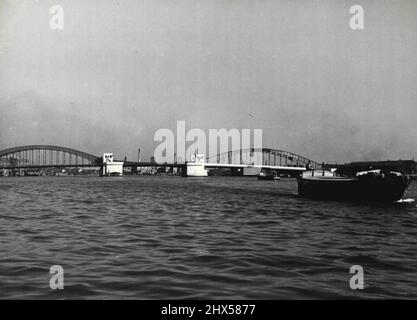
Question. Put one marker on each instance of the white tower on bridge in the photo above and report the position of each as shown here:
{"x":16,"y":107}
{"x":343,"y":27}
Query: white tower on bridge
{"x":111,"y":167}
{"x":196,"y":167}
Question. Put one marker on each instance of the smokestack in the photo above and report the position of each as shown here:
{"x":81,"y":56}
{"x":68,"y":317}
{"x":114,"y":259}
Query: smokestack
{"x":139,"y":155}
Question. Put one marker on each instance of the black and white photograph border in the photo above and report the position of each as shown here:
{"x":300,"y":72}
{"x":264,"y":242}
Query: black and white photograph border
{"x":208,"y":150}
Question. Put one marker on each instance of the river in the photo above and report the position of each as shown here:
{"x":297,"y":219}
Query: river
{"x":157,"y":237}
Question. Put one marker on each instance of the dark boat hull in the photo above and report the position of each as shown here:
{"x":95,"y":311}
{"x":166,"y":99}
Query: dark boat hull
{"x":381,"y":188}
{"x":265,"y":175}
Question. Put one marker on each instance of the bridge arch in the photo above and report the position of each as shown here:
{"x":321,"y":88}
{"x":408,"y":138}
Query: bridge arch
{"x":38,"y":155}
{"x":263,"y":156}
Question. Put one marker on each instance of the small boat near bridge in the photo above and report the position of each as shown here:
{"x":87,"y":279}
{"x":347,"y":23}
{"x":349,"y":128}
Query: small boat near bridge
{"x":268,"y":175}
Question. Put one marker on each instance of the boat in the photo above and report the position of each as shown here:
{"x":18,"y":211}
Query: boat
{"x":372,"y":185}
{"x":268,"y":175}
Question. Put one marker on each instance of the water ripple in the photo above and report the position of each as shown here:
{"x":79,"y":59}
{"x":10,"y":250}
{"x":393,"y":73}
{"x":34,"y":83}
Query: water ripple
{"x":219,"y":237}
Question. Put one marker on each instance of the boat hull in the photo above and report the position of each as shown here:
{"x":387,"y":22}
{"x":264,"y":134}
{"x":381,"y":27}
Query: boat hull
{"x":381,"y":188}
{"x":268,"y":175}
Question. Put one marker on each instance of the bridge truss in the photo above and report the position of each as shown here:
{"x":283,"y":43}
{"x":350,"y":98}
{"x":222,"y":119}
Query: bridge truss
{"x":44,"y":155}
{"x":264,"y":156}
{"x":49,"y":155}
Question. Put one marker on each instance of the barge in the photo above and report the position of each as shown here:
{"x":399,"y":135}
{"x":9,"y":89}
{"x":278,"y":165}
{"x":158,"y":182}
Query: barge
{"x":371,"y":185}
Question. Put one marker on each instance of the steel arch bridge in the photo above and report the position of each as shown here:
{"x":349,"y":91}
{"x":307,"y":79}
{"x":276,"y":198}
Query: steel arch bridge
{"x":44,"y":155}
{"x":263,"y":156}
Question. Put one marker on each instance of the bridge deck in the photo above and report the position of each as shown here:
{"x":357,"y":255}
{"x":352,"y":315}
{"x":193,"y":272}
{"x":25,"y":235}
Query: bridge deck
{"x":152,"y":164}
{"x":223,"y":165}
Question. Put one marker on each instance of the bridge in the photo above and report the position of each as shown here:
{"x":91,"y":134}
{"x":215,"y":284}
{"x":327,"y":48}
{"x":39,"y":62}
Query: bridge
{"x":50,"y":156}
{"x":33,"y":156}
{"x":263,"y":157}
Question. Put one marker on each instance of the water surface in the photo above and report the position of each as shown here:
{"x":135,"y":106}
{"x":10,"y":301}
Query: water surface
{"x":148,"y":237}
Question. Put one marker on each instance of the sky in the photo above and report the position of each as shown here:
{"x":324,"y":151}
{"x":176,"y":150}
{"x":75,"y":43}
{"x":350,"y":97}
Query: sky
{"x":121,"y":69}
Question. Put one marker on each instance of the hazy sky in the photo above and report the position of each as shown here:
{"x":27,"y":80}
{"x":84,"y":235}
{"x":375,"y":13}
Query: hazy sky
{"x":120,"y":70}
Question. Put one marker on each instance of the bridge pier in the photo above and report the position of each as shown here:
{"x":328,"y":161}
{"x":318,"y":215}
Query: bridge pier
{"x":251,"y":171}
{"x":195,"y":167}
{"x":111,"y":167}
